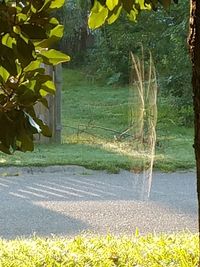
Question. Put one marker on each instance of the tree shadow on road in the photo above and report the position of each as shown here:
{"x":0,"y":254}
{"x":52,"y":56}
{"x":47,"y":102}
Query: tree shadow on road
{"x":21,"y":216}
{"x":63,"y":203}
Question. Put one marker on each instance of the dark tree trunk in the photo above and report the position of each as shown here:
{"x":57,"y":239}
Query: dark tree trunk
{"x":194,"y":46}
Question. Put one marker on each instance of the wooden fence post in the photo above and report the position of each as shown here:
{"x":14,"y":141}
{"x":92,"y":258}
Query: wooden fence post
{"x":52,"y":116}
{"x":57,"y":104}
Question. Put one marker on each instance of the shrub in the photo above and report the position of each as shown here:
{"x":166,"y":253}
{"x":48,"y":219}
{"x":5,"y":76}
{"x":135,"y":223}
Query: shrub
{"x":141,"y":251}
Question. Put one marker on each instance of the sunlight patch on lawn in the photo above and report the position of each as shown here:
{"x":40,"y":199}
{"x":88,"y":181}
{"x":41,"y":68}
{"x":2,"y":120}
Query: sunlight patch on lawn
{"x":2,"y":160}
{"x":126,"y":148}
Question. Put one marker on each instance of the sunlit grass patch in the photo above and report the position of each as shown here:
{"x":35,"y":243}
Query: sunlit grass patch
{"x":93,"y":118}
{"x":178,"y":250}
{"x":98,"y":114}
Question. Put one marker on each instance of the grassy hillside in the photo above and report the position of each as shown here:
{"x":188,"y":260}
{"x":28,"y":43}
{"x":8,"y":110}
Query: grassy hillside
{"x":93,"y":117}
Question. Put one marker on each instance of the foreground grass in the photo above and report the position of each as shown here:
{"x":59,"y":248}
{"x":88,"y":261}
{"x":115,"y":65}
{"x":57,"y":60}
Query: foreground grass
{"x":180,"y":250}
{"x":92,"y":118}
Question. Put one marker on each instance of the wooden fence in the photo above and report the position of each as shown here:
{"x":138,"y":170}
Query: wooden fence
{"x":52,"y":116}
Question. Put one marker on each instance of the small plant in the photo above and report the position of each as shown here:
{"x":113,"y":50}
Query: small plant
{"x":143,"y":115}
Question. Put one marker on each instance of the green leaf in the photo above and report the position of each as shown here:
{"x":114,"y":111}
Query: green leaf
{"x":33,"y":31}
{"x":143,"y":5}
{"x":33,"y":65}
{"x":114,"y":16}
{"x":97,"y":16}
{"x":49,"y":87}
{"x":43,"y":93}
{"x":133,"y":15}
{"x":8,"y":59}
{"x":56,"y":4}
{"x":39,"y":5}
{"x":42,"y":78}
{"x":17,"y":29}
{"x":8,"y":41}
{"x":21,"y":17}
{"x":54,"y":36}
{"x":54,"y":57}
{"x":111,"y":4}
{"x":57,"y":31}
{"x":8,"y":123}
{"x":4,"y":74}
{"x":31,"y":84}
{"x":25,"y":96}
{"x":24,"y":51}
{"x":45,"y":129}
{"x":33,"y":123}
{"x":54,"y":21}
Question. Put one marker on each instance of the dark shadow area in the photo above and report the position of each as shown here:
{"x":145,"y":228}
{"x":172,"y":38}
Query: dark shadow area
{"x":20,"y":218}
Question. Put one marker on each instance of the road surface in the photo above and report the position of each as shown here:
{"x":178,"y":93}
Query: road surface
{"x":71,"y":200}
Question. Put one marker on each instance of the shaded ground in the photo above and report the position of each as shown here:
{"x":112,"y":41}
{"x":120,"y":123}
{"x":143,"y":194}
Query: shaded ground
{"x":70,"y":200}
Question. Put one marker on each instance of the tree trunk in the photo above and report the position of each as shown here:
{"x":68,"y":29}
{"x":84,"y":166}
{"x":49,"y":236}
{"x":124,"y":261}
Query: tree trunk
{"x":194,"y":47}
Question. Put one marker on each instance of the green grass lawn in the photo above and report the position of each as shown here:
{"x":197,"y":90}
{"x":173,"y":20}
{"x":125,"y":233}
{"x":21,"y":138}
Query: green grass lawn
{"x":92,"y":117}
{"x":176,"y":250}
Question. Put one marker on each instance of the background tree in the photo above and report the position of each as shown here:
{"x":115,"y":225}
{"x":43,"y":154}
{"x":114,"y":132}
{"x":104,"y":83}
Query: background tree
{"x":155,"y":30}
{"x":104,"y":54}
{"x":74,"y":16}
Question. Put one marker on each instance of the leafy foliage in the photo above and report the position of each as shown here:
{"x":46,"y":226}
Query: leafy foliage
{"x":178,"y":250}
{"x":109,"y":10}
{"x":74,"y":17}
{"x":27,"y":32}
{"x":164,"y":33}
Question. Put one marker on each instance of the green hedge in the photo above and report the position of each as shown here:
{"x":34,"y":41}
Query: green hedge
{"x":139,"y":251}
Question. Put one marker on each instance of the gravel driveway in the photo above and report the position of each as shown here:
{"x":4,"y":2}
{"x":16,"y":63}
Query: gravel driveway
{"x":70,"y":200}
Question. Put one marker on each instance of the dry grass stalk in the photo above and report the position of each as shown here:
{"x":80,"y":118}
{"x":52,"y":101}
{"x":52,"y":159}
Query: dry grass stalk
{"x":143,"y":116}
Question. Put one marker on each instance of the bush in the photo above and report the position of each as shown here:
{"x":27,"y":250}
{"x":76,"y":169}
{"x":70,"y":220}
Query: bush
{"x":141,"y":251}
